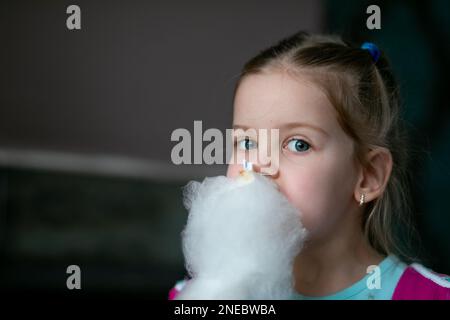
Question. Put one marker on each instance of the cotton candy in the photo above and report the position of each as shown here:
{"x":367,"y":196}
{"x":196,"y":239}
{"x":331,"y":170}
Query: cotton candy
{"x":240,"y":240}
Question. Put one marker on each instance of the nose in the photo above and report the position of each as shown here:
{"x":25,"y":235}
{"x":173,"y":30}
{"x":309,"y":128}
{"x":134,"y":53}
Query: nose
{"x":255,"y":167}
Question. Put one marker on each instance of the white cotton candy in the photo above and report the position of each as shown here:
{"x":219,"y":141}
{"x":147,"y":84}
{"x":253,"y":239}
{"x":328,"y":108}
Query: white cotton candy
{"x":241,"y":238}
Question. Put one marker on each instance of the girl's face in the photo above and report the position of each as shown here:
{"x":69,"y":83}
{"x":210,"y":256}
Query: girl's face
{"x":316,"y":170}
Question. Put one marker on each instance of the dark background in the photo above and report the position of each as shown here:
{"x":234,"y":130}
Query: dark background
{"x":86,"y":117}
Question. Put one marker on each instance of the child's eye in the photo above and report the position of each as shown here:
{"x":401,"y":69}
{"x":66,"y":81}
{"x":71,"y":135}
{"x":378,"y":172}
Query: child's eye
{"x":247,"y":144}
{"x":298,"y":145}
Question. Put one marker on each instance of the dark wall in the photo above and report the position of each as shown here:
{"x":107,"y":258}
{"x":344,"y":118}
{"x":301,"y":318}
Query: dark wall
{"x":136,"y":70}
{"x":85,"y":124}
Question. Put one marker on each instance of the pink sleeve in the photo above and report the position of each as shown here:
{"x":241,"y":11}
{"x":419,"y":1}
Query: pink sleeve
{"x":173,"y":293}
{"x":419,"y":283}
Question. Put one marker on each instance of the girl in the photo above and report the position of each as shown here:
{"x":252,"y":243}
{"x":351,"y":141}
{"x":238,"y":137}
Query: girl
{"x":342,"y":163}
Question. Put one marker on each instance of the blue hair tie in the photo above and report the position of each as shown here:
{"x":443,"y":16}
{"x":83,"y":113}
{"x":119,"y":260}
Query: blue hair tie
{"x":373,"y":50}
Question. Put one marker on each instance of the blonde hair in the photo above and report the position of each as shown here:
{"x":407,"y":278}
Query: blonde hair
{"x":366,"y":98}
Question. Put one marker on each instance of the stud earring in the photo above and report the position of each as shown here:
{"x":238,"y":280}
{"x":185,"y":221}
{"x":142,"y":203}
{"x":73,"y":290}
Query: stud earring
{"x":361,"y":199}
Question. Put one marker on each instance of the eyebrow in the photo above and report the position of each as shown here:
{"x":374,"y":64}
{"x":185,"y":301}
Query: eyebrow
{"x":290,"y":125}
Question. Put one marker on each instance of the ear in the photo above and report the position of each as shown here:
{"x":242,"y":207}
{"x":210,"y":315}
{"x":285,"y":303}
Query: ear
{"x":375,"y":175}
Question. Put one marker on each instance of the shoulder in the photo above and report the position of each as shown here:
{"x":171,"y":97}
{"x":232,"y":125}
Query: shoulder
{"x":419,"y":283}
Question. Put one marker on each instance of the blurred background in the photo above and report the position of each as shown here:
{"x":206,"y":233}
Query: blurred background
{"x":86,"y":117}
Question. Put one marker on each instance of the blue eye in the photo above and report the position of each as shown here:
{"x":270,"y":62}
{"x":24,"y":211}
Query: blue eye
{"x":247,"y":144}
{"x":298,"y":145}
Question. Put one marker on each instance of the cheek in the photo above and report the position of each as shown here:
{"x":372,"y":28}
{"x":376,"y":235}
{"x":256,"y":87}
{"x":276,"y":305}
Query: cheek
{"x":320,"y":191}
{"x":233,"y":170}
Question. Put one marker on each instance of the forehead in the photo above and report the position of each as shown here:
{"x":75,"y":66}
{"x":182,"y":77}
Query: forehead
{"x":272,"y":99}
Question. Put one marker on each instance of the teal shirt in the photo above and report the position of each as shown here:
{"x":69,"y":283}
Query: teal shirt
{"x":391,"y":269}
